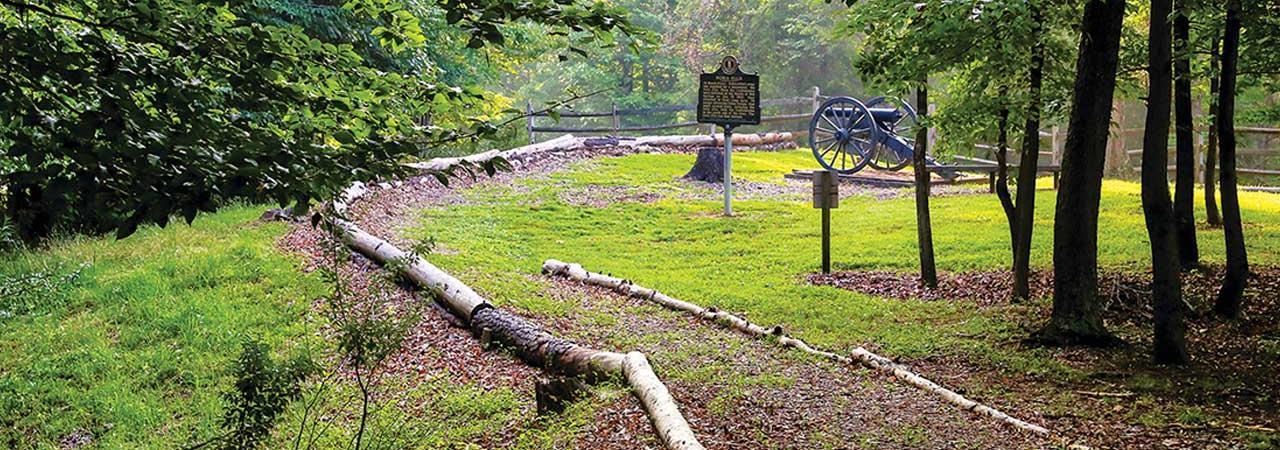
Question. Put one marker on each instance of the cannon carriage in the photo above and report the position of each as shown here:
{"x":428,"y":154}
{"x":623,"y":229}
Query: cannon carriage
{"x":847,"y":135}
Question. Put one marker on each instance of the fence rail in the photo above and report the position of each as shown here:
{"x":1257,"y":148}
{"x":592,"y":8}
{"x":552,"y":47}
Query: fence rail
{"x":617,"y":114}
{"x":1118,"y":156}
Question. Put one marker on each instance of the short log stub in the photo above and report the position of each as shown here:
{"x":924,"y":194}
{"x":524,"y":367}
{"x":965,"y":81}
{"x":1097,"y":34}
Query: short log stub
{"x":709,"y":166}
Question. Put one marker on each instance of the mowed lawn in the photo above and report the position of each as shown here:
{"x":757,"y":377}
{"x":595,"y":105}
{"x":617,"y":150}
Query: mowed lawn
{"x":666,"y":234}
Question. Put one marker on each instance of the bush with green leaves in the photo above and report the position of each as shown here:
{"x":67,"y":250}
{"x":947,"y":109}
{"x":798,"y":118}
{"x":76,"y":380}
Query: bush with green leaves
{"x":264,"y":387}
{"x":116,"y":113}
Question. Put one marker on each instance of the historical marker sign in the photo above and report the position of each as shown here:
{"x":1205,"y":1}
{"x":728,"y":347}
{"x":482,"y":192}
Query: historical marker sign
{"x":729,"y":97}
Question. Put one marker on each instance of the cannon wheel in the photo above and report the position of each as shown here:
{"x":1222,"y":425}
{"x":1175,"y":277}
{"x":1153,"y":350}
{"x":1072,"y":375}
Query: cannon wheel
{"x":842,"y":134}
{"x":905,"y":128}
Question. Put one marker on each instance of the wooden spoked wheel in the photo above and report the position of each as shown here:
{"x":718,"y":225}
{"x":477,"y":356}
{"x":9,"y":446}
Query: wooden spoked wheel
{"x":842,"y":135}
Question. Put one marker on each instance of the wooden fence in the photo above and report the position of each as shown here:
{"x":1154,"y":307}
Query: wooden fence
{"x":1121,"y":158}
{"x":616,"y":116}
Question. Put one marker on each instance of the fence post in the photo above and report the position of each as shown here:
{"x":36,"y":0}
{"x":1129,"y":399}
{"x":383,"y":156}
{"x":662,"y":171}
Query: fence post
{"x":817,"y":102}
{"x":1053,"y":146}
{"x":617,"y":122}
{"x":528,"y":110}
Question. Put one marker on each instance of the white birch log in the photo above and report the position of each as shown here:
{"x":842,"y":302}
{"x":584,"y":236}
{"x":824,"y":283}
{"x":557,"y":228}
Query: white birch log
{"x":528,"y":341}
{"x":563,"y":143}
{"x":858,"y":356}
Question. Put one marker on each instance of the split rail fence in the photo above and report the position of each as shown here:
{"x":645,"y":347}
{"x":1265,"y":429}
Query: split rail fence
{"x":1259,"y":157}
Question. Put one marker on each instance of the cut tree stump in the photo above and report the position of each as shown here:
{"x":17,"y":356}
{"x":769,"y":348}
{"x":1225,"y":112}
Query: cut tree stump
{"x":709,"y":166}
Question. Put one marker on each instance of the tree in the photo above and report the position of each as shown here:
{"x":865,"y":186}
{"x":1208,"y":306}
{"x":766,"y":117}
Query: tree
{"x":924,"y":225}
{"x":1028,"y":162}
{"x":1077,"y":311}
{"x":1228,"y":303}
{"x":1184,"y":193}
{"x":1170,"y":344}
{"x":119,"y":113}
{"x":1211,"y":149}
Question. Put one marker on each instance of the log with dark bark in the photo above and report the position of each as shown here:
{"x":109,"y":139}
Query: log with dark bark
{"x":1228,"y":303}
{"x":1211,"y":147}
{"x":1184,"y":193}
{"x":1027,"y":164}
{"x":1077,"y":309}
{"x":1170,"y":344}
{"x":859,"y":356}
{"x":709,"y":166}
{"x":924,"y":225}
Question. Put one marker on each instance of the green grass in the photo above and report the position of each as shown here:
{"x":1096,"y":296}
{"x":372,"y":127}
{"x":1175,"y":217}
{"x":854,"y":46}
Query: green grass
{"x":755,"y":261}
{"x":135,"y":352}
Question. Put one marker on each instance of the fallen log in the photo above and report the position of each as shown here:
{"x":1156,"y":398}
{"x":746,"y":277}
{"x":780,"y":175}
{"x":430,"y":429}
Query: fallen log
{"x":859,"y":355}
{"x":568,"y":142}
{"x":528,"y":341}
{"x":563,"y":143}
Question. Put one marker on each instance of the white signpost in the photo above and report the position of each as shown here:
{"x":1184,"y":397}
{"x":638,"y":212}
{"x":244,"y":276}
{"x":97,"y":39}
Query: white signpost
{"x":728,"y":97}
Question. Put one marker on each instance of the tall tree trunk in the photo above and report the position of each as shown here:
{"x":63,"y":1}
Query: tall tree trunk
{"x":1027,"y":165}
{"x":1211,"y":150}
{"x":1002,"y":175}
{"x":1077,"y":312}
{"x":1170,"y":344}
{"x":1229,"y":297}
{"x":924,"y":227}
{"x":1184,"y":197}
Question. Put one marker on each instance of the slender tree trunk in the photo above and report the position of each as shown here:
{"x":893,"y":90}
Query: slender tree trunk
{"x":1170,"y":344}
{"x":924,"y":227}
{"x":1027,"y":165}
{"x":1229,"y":298}
{"x":1077,"y":311}
{"x":1211,"y":150}
{"x":1184,"y":198}
{"x":1002,"y":177}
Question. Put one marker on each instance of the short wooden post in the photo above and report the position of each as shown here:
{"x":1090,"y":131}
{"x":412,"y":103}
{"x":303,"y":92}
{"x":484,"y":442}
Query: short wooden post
{"x":617,"y":122}
{"x":826,"y":196}
{"x":528,"y":110}
{"x":817,"y":99}
{"x":1053,"y":145}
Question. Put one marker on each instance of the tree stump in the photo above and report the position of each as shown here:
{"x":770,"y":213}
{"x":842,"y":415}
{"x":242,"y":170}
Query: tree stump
{"x":709,"y":166}
{"x":553,"y":395}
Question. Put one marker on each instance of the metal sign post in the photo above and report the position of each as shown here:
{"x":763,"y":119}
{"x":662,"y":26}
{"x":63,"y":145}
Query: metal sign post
{"x":728,"y":170}
{"x":728,"y":97}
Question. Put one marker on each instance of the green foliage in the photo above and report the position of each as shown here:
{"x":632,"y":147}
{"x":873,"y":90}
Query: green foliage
{"x":978,"y":54}
{"x":119,"y":113}
{"x":263,"y":389}
{"x":790,"y":43}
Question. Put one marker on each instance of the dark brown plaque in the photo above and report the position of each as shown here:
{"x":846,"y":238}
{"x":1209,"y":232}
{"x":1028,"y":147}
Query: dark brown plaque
{"x":728,"y":96}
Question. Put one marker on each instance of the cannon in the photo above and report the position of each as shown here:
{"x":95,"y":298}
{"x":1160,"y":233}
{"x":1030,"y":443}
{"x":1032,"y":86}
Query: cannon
{"x":847,"y":135}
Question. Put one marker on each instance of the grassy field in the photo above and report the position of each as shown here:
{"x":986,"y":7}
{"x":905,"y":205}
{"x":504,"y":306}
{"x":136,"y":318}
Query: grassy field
{"x":130,"y":344}
{"x":133,"y":350}
{"x":755,"y":261}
